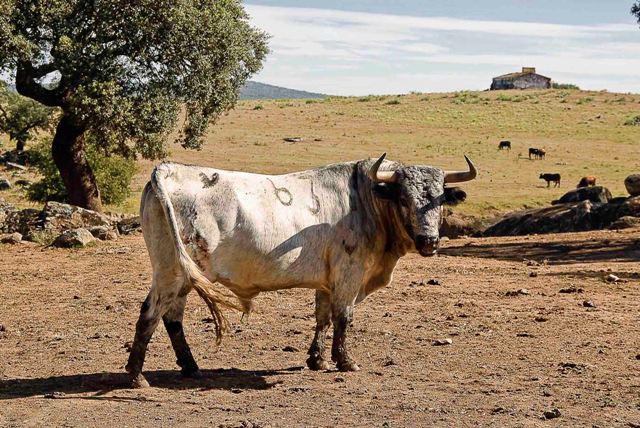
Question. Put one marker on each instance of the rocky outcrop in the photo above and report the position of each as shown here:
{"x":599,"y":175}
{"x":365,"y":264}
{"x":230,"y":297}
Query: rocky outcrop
{"x":632,"y":183}
{"x":56,"y":218}
{"x":569,"y":217}
{"x":596,"y":194}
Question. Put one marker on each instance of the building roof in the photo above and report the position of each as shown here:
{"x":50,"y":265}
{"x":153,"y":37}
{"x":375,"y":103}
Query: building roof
{"x":512,"y":76}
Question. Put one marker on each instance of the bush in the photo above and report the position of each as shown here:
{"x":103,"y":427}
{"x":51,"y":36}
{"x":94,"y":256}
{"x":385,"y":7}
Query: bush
{"x":392,"y":102}
{"x":113,"y":174}
{"x":565,"y":86}
{"x":634,"y":121}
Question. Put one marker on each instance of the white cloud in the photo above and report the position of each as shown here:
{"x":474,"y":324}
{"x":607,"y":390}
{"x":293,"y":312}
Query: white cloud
{"x":342,"y":52}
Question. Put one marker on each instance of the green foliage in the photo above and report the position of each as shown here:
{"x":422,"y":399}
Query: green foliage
{"x":21,"y":116}
{"x":126,"y":76}
{"x":633,"y":121}
{"x":569,"y":86}
{"x":585,"y":100}
{"x":113,"y":174}
{"x":392,"y":102}
{"x":258,"y":107}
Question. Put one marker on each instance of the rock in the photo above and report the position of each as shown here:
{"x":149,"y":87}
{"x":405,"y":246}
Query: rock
{"x":588,"y":304}
{"x":442,"y":342}
{"x":104,"y":233}
{"x":632,"y":183}
{"x":74,"y":238}
{"x":533,"y":274}
{"x":4,"y":184}
{"x":54,"y":394}
{"x":339,"y":379}
{"x":290,"y":349}
{"x":571,"y":289}
{"x":389,"y":361}
{"x":129,"y":225}
{"x":3,"y":328}
{"x":520,"y":292}
{"x":11,"y":238}
{"x":596,"y":194}
{"x":611,"y":278}
{"x":293,"y":139}
{"x":433,"y":282}
{"x":625,"y":222}
{"x":551,"y":414}
{"x":540,"y":319}
{"x":59,"y":217}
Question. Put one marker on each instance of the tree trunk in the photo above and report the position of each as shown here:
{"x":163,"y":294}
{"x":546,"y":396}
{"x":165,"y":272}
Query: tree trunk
{"x":68,"y":151}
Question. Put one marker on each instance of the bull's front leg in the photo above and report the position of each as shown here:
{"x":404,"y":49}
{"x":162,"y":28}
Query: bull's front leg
{"x":342,"y":315}
{"x":316,"y":359}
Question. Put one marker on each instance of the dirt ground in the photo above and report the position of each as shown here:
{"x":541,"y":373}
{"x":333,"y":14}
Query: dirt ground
{"x":67,"y":315}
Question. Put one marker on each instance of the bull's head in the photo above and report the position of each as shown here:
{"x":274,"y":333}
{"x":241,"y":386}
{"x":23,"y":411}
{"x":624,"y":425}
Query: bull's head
{"x":420,"y":194}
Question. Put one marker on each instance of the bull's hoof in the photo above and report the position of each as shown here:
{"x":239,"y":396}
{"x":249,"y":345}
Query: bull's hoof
{"x":191,"y":373}
{"x":348,"y":366}
{"x":317,"y":363}
{"x":139,"y":382}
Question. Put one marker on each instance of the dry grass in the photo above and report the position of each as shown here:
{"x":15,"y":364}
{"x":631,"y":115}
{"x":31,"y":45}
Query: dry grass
{"x":582,"y":132}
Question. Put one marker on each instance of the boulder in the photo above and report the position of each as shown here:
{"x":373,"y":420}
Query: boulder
{"x":11,"y":238}
{"x":4,"y":184}
{"x":597,"y":194}
{"x":74,"y":238}
{"x":625,"y":222}
{"x":103,"y":233}
{"x":129,"y":225}
{"x":632,"y":183}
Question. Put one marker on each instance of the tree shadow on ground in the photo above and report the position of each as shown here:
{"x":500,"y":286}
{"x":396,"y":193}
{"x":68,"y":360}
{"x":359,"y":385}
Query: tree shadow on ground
{"x":102,"y":383}
{"x":562,"y":252}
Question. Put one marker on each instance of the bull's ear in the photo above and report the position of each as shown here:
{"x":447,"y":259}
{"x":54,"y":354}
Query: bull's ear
{"x":454,"y":195}
{"x":389,"y":191}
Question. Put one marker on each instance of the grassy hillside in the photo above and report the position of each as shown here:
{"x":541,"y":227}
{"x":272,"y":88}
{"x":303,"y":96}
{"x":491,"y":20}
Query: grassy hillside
{"x":582,"y":132}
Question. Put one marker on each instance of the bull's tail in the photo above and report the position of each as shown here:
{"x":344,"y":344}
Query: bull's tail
{"x":193,"y":276}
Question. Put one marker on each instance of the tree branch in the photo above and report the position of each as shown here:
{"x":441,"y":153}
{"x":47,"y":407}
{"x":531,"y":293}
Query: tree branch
{"x":26,"y":85}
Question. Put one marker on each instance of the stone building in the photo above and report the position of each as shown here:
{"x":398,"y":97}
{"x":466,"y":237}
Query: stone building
{"x":526,"y":79}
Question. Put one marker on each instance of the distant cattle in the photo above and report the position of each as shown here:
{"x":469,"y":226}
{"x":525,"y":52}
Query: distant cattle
{"x":555,"y":178}
{"x":587,"y":181}
{"x":504,"y":145}
{"x":536,"y":153}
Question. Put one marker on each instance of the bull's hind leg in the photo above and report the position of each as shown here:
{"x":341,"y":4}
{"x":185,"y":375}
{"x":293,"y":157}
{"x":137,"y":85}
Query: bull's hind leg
{"x":146,"y":325}
{"x":323,"y":321}
{"x":173,"y":323}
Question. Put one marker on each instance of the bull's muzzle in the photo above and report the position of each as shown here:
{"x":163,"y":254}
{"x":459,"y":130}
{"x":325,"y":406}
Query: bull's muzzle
{"x":427,"y":245}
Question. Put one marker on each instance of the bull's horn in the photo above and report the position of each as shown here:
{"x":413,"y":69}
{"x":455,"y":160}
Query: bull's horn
{"x":461,"y":176}
{"x":381,"y":176}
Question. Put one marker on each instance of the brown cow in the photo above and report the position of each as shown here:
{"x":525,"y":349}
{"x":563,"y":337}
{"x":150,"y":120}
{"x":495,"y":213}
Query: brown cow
{"x":587,"y":181}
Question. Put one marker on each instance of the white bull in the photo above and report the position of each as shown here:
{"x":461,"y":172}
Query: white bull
{"x":339,"y":230}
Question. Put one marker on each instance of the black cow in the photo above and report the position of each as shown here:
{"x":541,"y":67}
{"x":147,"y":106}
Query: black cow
{"x":504,"y":145}
{"x":555,"y":178}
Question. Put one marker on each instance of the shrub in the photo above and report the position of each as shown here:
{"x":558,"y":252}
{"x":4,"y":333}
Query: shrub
{"x":258,"y":107}
{"x":113,"y":174}
{"x":634,"y":121}
{"x":565,"y":86}
{"x":392,"y":102}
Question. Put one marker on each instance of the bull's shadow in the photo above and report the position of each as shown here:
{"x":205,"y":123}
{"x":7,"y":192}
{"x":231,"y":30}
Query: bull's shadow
{"x":622,"y":249}
{"x":102,"y":383}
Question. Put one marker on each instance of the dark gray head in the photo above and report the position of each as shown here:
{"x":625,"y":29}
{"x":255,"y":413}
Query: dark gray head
{"x":420,"y":194}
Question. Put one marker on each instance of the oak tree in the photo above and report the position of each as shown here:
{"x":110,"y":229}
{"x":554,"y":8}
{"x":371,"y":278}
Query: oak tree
{"x":127,"y":72}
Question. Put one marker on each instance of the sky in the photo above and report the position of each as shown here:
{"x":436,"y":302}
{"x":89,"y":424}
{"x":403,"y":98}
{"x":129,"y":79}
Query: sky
{"x":361,"y":47}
